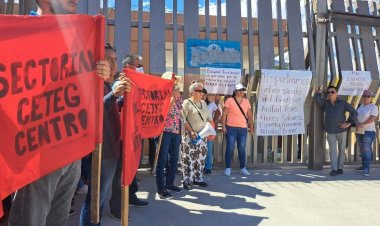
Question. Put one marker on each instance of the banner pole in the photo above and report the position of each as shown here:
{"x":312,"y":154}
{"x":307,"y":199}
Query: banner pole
{"x":95,"y":183}
{"x":157,"y":154}
{"x":124,"y":205}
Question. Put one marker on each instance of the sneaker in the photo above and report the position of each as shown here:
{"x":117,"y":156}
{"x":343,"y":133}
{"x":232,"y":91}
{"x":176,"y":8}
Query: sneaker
{"x":164,"y":194}
{"x":138,"y":203}
{"x":227,"y":172}
{"x":186,"y":186}
{"x":82,"y":191}
{"x":359,"y":168}
{"x":333,"y":173}
{"x":208,"y":171}
{"x":340,"y":171}
{"x":173,"y":188}
{"x":245,"y":172}
{"x":201,"y":183}
{"x":72,"y":212}
{"x":366,"y":174}
{"x":115,"y":217}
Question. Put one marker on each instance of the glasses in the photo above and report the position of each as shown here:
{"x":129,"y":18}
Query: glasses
{"x":366,"y":96}
{"x":198,"y":90}
{"x":330,"y":92}
{"x":109,"y":46}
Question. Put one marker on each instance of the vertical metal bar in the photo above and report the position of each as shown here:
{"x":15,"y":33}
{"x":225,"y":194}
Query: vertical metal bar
{"x":316,"y":157}
{"x":82,"y":7}
{"x":105,"y":14}
{"x":251,"y":61}
{"x":191,"y":30}
{"x":122,"y":29}
{"x":280,"y":35}
{"x":175,"y":37}
{"x":140,"y":27}
{"x":219,"y":19}
{"x":266,"y":48}
{"x":157,"y":48}
{"x":296,"y":51}
{"x":93,"y":7}
{"x":207,"y":18}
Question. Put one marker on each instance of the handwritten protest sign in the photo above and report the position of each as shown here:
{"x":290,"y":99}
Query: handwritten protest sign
{"x":354,"y":82}
{"x":221,"y":80}
{"x":48,"y":94}
{"x":145,"y":108}
{"x":280,"y":108}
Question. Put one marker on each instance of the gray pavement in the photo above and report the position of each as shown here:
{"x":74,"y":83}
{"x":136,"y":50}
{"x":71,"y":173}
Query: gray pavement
{"x":267,"y":197}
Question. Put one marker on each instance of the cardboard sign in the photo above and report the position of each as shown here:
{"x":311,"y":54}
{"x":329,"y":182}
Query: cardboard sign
{"x":221,"y":80}
{"x":280,"y":108}
{"x":354,"y":82}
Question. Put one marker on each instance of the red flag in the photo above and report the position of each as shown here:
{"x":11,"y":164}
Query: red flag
{"x":145,"y":111}
{"x":47,"y":94}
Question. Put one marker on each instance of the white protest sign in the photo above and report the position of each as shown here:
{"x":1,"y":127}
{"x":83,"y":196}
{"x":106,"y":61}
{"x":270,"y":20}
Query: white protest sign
{"x":280,"y":109}
{"x":221,"y":80}
{"x":354,"y":82}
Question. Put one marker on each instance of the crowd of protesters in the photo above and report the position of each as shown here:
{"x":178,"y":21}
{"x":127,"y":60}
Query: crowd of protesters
{"x":47,"y":201}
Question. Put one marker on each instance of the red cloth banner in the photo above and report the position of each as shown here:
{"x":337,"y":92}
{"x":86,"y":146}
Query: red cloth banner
{"x":145,"y":109}
{"x":49,"y":94}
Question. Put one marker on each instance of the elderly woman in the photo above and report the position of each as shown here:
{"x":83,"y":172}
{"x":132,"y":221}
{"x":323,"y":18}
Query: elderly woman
{"x":366,"y":129}
{"x":195,"y":115}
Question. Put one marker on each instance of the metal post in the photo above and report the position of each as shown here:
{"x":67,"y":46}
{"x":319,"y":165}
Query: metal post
{"x":316,"y":158}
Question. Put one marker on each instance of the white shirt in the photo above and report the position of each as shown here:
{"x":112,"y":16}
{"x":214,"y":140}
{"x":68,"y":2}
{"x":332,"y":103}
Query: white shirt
{"x":366,"y":111}
{"x":212,"y":108}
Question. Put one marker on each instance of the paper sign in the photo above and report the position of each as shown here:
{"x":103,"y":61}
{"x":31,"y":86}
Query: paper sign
{"x":221,"y":80}
{"x":280,"y":108}
{"x":354,"y":82}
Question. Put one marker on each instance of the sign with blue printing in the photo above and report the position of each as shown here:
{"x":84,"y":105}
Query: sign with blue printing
{"x":213,"y":53}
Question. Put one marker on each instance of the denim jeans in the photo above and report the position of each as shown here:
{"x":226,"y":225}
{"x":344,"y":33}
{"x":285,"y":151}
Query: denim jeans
{"x":365,"y":144}
{"x":337,"y":158}
{"x":108,"y":168}
{"x":208,"y":164}
{"x":240,"y":136}
{"x":169,"y":144}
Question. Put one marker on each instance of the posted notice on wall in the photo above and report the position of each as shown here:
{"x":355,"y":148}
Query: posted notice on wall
{"x":221,"y":80}
{"x":282,"y":96}
{"x":354,"y":82}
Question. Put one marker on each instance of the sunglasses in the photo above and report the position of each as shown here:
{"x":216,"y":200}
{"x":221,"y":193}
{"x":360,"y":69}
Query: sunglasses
{"x":366,"y":96}
{"x":198,"y":90}
{"x":330,"y":92}
{"x":240,"y":90}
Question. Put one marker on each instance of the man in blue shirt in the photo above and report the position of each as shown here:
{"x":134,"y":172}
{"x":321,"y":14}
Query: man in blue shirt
{"x":336,"y":125}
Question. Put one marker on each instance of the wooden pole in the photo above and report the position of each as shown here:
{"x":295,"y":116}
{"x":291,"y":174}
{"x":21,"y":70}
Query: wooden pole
{"x":95,"y":184}
{"x":157,"y":154}
{"x":124,"y":205}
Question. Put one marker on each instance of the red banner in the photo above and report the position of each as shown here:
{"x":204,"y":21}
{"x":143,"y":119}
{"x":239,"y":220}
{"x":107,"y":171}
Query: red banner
{"x":49,"y":94}
{"x":145,"y":111}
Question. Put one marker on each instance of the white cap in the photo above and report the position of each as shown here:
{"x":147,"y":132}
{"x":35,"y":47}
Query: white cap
{"x":167,"y":75}
{"x":239,"y":86}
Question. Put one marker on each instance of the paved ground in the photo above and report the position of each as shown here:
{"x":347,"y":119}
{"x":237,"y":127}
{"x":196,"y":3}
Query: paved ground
{"x":268,"y":197}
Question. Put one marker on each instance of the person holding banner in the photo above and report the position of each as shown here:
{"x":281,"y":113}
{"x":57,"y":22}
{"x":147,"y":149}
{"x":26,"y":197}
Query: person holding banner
{"x":195,"y":115}
{"x":236,"y":118}
{"x":335,"y":125}
{"x":111,"y":136}
{"x":170,"y":143}
{"x":47,"y":201}
{"x":366,"y":130}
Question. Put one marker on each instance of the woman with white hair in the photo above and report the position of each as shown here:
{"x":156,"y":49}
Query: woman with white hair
{"x":195,"y":115}
{"x":366,"y":129}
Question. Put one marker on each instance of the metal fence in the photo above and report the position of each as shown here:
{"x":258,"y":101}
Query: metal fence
{"x":274,"y":34}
